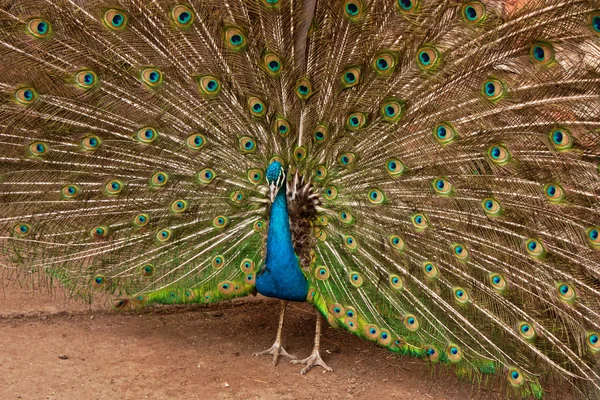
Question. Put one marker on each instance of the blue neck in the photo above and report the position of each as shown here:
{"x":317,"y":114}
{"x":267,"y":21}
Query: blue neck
{"x":282,"y":277}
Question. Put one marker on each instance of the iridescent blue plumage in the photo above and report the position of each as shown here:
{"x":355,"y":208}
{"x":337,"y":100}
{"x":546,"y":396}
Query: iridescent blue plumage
{"x":282,"y":277}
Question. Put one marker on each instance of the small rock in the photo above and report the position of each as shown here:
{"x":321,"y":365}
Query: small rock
{"x":63,"y":357}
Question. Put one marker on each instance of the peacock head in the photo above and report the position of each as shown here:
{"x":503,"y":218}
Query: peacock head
{"x":275,"y":178}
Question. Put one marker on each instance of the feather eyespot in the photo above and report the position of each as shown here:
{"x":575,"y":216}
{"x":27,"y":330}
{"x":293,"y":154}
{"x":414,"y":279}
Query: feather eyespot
{"x":90,"y":143}
{"x":384,"y":338}
{"x":453,"y":353}
{"x":147,"y":270}
{"x":227,"y":288}
{"x":141,"y":220}
{"x":255,"y":176}
{"x":38,"y":149}
{"x":115,"y":19}
{"x":322,"y":273}
{"x":320,"y":134}
{"x":430,"y":270}
{"x":206,"y":176}
{"x":565,"y":292}
{"x":39,"y":28}
{"x":151,"y":76}
{"x":593,"y":237}
{"x":259,"y":226}
{"x":491,"y":207}
{"x":304,"y":89}
{"x":69,"y":191}
{"x":182,"y":15}
{"x":256,"y":107}
{"x":554,"y":192}
{"x":526,"y":331}
{"x":25,"y":95}
{"x":411,"y":322}
{"x":235,"y":39}
{"x":515,"y":377}
{"x":460,"y":252}
{"x":98,"y":281}
{"x":346,"y":217}
{"x":146,"y":135}
{"x":350,"y":242}
{"x":320,"y":173}
{"x":99,"y":232}
{"x":330,"y":193}
{"x":353,"y":9}
{"x":392,"y":110}
{"x":535,"y":248}
{"x":376,"y":196}
{"x":419,"y":221}
{"x":179,"y":206}
{"x":395,"y":167}
{"x":237,"y":196}
{"x":271,"y":63}
{"x":218,"y":262}
{"x":444,"y":133}
{"x":22,"y":229}
{"x":247,"y":144}
{"x":407,"y":6}
{"x":499,"y":154}
{"x":356,"y":121}
{"x":442,"y":187}
{"x":355,"y":279}
{"x":86,"y":79}
{"x":220,"y":221}
{"x":300,"y":153}
{"x":247,"y":265}
{"x":593,"y":341}
{"x":195,"y":141}
{"x":337,"y":310}
{"x":428,"y":58}
{"x":397,"y":242}
{"x":346,"y":159}
{"x":460,"y":295}
{"x":384,"y":63}
{"x":493,"y":89}
{"x":281,"y":126}
{"x":595,"y":21}
{"x":542,"y":53}
{"x":498,"y":282}
{"x":396,"y":282}
{"x":159,"y":179}
{"x":351,"y":77}
{"x":473,"y":12}
{"x":371,"y":331}
{"x":208,"y":85}
{"x":113,"y":187}
{"x":164,"y":235}
{"x":561,"y":139}
{"x":431,"y":353}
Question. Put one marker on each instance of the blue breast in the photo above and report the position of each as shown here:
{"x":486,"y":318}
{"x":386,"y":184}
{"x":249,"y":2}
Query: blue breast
{"x":282,"y":277}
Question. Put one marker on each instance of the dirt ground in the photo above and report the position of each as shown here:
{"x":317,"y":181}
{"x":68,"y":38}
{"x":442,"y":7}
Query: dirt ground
{"x":54,"y":348}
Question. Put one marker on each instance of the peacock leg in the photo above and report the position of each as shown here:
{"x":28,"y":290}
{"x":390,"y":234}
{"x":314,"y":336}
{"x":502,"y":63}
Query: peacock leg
{"x":315,"y":358}
{"x":277,"y":349}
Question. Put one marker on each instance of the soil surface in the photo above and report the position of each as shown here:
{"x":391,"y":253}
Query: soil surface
{"x":52,"y":347}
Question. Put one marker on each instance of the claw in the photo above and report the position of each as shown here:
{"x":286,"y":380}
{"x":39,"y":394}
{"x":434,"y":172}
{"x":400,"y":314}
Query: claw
{"x":277,"y":351}
{"x":312,"y":361}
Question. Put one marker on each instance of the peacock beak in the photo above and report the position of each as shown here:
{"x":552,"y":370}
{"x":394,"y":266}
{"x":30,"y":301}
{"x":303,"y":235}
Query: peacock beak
{"x":273,"y":189}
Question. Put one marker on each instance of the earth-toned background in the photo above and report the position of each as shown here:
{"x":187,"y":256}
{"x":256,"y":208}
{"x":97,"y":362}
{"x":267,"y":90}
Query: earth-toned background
{"x":52,"y":347}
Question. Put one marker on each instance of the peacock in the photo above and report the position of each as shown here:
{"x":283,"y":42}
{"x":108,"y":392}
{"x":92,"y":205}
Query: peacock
{"x":425,"y":173}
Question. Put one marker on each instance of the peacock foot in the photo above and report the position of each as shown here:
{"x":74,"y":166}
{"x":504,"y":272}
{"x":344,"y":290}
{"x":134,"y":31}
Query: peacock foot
{"x":312,"y":361}
{"x":277,"y":351}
